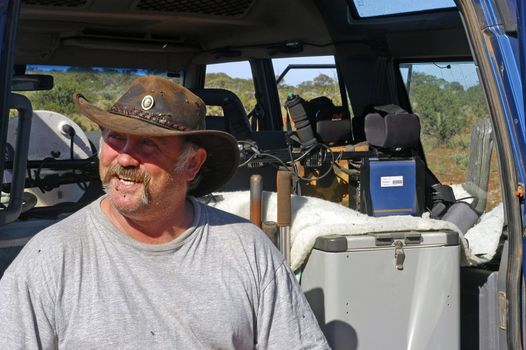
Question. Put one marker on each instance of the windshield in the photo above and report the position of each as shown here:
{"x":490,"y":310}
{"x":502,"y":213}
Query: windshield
{"x":374,"y":8}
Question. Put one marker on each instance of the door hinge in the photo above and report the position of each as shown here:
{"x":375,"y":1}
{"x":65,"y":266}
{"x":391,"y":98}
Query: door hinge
{"x":503,"y":310}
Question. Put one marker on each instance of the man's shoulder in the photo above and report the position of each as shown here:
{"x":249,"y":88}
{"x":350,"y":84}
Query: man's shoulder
{"x":222,"y":216}
{"x":235,"y":231}
{"x":51,"y":243}
{"x":70,"y":227}
{"x":230,"y":223}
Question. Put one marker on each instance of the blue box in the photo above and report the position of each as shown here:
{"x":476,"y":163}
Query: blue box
{"x":392,"y":187}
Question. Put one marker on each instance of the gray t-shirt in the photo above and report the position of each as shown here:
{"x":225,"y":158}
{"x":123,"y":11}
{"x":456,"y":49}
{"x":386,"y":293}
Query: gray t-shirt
{"x":83,"y":284}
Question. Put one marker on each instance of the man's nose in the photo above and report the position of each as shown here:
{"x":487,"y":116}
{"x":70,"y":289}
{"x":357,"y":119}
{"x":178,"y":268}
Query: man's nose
{"x":127,"y":156}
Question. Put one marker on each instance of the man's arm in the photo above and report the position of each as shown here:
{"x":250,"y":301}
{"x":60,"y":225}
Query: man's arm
{"x":285,"y":319}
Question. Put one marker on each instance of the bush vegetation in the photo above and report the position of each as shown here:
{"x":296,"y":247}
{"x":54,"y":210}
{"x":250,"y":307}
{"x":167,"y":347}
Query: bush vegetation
{"x":447,"y":110}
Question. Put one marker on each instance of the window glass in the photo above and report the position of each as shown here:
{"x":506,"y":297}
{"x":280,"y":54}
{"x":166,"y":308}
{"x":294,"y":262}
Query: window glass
{"x":315,"y":79}
{"x":307,"y":77}
{"x":233,"y":76}
{"x":50,"y":141}
{"x":101,"y":86}
{"x":450,"y":102}
{"x":373,"y":8}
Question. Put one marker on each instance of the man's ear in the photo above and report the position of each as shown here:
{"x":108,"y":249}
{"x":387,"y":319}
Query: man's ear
{"x":194,"y":163}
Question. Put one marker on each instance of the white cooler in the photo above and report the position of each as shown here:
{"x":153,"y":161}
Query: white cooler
{"x":397,"y":290}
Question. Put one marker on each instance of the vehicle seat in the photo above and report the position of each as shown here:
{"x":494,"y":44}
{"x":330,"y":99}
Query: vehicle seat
{"x":392,"y":181}
{"x":333,"y":126}
{"x":394,"y":133}
{"x":235,"y":120}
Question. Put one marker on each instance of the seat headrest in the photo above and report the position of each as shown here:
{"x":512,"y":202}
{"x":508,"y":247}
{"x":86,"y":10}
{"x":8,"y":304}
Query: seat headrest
{"x":334,"y":132}
{"x":400,"y":130}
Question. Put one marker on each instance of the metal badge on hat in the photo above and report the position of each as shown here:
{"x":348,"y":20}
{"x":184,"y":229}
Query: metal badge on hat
{"x":147,"y":102}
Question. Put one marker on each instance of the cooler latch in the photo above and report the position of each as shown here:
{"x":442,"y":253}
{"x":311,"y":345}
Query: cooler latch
{"x":399,"y":254}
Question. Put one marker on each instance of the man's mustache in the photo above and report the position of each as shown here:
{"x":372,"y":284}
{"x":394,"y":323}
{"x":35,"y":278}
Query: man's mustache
{"x":134,"y":174}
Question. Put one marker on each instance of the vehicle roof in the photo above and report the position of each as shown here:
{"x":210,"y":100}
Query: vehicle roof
{"x":173,"y":34}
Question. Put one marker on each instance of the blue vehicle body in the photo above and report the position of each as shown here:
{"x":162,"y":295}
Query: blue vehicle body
{"x":501,"y":61}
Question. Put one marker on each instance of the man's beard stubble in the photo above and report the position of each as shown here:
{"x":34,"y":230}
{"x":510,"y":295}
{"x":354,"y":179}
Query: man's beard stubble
{"x":132,"y":174}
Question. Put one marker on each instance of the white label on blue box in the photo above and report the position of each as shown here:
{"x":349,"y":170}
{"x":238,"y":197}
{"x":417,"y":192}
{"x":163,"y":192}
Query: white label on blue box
{"x":391,"y":181}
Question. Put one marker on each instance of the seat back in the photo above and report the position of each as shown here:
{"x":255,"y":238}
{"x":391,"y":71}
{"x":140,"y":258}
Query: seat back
{"x":393,"y":181}
{"x":235,"y":120}
{"x":480,"y":150}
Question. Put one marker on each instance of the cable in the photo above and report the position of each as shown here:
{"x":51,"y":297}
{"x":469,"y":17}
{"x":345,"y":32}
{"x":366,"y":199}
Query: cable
{"x":442,"y":67}
{"x":71,"y":145}
{"x":247,"y":161}
{"x":314,"y":177}
{"x":291,"y":165}
{"x":81,"y":184}
{"x":70,"y":131}
{"x":38,"y":181}
{"x":279,"y":160}
{"x":305,"y":153}
{"x":464,"y":198}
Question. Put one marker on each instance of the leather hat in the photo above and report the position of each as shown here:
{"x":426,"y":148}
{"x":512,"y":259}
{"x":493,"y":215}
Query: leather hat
{"x":155,"y":106}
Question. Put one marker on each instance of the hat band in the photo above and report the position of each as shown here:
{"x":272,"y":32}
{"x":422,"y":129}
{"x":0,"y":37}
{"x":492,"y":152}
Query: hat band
{"x":161,"y":119}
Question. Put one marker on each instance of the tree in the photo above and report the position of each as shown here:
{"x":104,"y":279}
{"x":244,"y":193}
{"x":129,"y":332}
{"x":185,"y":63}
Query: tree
{"x":323,"y":80}
{"x":446,"y":109}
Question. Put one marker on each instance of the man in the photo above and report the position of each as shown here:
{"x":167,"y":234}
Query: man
{"x":147,"y":266}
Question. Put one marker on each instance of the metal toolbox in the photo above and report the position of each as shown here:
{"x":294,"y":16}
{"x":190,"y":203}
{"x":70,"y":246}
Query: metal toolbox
{"x":397,"y":290}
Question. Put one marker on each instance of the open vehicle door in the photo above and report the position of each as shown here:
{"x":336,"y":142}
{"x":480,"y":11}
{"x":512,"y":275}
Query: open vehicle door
{"x":497,"y":41}
{"x":9,"y":11}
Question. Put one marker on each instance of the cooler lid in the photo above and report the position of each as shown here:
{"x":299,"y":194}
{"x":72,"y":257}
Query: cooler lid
{"x":342,"y":243}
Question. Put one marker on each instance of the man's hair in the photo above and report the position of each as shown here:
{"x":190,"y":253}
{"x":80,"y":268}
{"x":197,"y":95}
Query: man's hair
{"x":189,"y":149}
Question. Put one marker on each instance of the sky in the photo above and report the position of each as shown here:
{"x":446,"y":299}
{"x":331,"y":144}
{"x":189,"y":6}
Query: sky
{"x":367,"y":8}
{"x":293,"y":77}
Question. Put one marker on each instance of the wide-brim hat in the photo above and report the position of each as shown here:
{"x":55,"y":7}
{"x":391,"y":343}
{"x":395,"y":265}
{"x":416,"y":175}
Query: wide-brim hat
{"x":155,"y":106}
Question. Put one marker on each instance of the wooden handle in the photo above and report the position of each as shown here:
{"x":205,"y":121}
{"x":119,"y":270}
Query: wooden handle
{"x":284,"y":182}
{"x":256,"y":187}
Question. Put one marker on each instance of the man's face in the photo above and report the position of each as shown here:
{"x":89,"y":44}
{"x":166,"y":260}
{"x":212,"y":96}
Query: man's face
{"x":139,"y":173}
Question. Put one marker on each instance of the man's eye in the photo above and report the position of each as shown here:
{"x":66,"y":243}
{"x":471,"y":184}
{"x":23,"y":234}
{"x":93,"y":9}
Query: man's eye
{"x":147,"y":142}
{"x":114,"y":136}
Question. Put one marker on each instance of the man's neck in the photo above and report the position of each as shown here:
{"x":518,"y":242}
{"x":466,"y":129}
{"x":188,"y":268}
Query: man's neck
{"x":163,"y":227}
